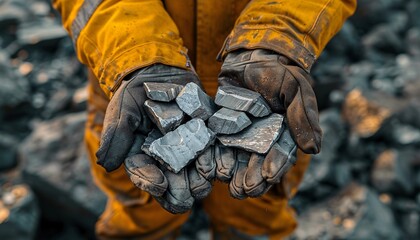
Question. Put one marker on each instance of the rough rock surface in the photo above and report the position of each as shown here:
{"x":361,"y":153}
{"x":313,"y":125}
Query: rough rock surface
{"x":195,"y":102}
{"x":391,"y":171}
{"x":166,"y":116}
{"x":321,"y":168}
{"x":242,"y":99}
{"x":369,"y":112}
{"x":227,"y":121}
{"x":19,"y":212}
{"x":8,"y":148}
{"x":259,"y":137}
{"x":151,"y":137}
{"x":55,"y":164}
{"x":163,"y":92}
{"x":354,"y":213}
{"x":42,"y":31}
{"x":178,"y":148}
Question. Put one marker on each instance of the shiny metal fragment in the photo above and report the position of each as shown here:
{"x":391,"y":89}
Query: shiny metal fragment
{"x":242,"y":99}
{"x":259,"y":137}
{"x":151,"y":137}
{"x":195,"y":102}
{"x":163,"y":92}
{"x":227,"y":121}
{"x":166,"y":116}
{"x":178,"y":148}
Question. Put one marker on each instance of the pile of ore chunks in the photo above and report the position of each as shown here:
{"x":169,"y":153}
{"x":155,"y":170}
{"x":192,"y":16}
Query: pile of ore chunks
{"x":188,"y":122}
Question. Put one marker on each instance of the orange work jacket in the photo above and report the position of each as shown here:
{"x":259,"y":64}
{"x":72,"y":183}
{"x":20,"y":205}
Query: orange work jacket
{"x":115,"y":37}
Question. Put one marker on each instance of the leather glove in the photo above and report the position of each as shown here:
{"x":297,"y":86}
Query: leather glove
{"x":286,"y":87}
{"x":184,"y":187}
{"x":126,"y":126}
{"x":252,"y":175}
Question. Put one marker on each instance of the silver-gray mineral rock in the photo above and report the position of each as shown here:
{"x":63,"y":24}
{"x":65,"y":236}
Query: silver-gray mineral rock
{"x":178,"y":148}
{"x":163,"y":92}
{"x":259,"y":137}
{"x":242,"y":99}
{"x":227,"y":121}
{"x":166,"y":116}
{"x":151,"y":137}
{"x":195,"y":102}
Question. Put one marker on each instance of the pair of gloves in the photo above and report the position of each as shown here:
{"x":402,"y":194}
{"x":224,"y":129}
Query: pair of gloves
{"x":285,"y":86}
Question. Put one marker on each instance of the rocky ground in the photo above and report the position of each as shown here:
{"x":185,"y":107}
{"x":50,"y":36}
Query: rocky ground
{"x":363,"y":185}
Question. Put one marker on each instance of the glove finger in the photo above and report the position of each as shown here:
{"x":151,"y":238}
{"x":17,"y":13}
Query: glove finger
{"x":122,"y":119}
{"x":254,"y":183}
{"x":199,"y":186}
{"x":144,"y":173}
{"x":136,"y":147}
{"x":116,"y":141}
{"x":178,"y":198}
{"x":236,"y":185}
{"x":302,"y":114}
{"x":280,"y":158}
{"x":206,"y":164}
{"x":225,"y":162}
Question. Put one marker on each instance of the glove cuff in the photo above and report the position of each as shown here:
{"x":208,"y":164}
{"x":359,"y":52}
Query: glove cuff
{"x":270,"y":40}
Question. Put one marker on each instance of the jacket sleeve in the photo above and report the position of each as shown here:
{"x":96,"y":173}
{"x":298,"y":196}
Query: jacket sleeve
{"x":297,"y":29}
{"x":116,"y":37}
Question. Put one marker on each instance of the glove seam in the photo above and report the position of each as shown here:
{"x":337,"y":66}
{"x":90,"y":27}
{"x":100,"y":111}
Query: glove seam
{"x":303,"y":101}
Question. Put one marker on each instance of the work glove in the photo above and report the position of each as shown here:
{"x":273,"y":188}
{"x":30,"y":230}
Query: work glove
{"x":181,"y":189}
{"x":287,"y":89}
{"x":253,"y":174}
{"x":126,"y":126}
{"x":285,"y":86}
{"x":191,"y":183}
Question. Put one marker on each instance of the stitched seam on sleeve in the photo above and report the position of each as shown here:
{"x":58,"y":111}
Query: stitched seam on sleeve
{"x":305,"y":43}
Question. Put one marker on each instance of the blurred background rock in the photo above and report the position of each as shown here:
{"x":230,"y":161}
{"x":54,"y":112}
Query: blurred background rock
{"x":363,"y":185}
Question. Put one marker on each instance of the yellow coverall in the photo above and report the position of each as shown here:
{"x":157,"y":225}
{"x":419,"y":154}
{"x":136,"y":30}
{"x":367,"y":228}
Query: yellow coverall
{"x":116,"y":37}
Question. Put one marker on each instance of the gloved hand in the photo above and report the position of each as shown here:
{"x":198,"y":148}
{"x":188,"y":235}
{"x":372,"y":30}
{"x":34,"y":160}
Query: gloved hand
{"x":253,"y":174}
{"x":183,"y":188}
{"x":286,"y":87}
{"x":126,"y":126}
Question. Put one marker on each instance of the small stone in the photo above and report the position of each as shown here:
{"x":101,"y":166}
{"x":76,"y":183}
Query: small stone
{"x":8,"y":151}
{"x":259,"y":137}
{"x":391,"y":171}
{"x":242,"y":99}
{"x":166,"y":116}
{"x":163,"y":92}
{"x":321,"y":168}
{"x":56,"y":164}
{"x":151,"y":137}
{"x":354,"y":213}
{"x":19,"y":212}
{"x":178,"y":148}
{"x":369,"y":112}
{"x":40,"y":32}
{"x":227,"y":121}
{"x":195,"y":102}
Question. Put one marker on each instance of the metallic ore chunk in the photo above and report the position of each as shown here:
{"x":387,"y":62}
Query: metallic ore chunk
{"x":195,"y":102}
{"x":166,"y":116}
{"x":227,"y":121}
{"x":176,"y":149}
{"x":163,"y":92}
{"x":151,"y":137}
{"x":242,"y":99}
{"x":259,"y":137}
